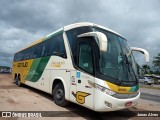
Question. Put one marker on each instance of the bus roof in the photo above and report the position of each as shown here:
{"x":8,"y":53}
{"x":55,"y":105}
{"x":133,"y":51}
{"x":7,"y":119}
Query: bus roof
{"x":80,"y":24}
{"x":68,"y":27}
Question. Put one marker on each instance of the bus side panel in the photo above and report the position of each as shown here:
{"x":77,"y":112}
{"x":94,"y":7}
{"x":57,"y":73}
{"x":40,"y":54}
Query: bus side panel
{"x":64,"y":77}
{"x":22,"y":68}
{"x":44,"y":81}
{"x":35,"y":72}
{"x":60,"y":70}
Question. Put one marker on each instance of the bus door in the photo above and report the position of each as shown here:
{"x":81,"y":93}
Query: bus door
{"x":84,"y":74}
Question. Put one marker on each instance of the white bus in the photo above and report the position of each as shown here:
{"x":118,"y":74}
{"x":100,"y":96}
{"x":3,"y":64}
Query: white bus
{"x":83,"y":63}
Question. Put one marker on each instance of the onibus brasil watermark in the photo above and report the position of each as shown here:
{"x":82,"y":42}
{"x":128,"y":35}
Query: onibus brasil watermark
{"x":78,"y":113}
{"x":21,"y":114}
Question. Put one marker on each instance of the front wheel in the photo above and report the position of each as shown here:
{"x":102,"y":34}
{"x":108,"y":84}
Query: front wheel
{"x":59,"y":95}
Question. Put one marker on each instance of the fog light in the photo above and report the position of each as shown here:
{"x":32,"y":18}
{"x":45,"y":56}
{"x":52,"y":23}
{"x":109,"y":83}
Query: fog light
{"x":108,"y":104}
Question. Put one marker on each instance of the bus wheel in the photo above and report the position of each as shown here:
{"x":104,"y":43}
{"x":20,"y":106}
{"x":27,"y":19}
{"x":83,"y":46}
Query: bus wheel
{"x":59,"y":95}
{"x":18,"y":82}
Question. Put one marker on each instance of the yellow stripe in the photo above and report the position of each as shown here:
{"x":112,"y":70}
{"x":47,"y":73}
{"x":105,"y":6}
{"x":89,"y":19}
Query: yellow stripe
{"x":20,"y":69}
{"x":36,"y":42}
{"x":118,"y":89}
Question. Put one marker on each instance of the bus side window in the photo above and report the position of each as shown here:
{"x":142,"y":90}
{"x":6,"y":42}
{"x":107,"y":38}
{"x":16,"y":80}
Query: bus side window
{"x":86,"y":57}
{"x":22,"y":55}
{"x":62,"y":50}
{"x":45,"y":47}
{"x":28,"y":53}
{"x":53,"y":46}
{"x":31,"y":52}
{"x":37,"y":51}
{"x":43,"y":50}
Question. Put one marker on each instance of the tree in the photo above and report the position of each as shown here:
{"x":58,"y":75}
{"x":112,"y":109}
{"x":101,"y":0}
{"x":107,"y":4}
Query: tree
{"x":145,"y":69}
{"x":156,"y":62}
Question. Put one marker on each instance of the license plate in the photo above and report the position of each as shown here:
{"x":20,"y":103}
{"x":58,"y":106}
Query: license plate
{"x":127,"y":104}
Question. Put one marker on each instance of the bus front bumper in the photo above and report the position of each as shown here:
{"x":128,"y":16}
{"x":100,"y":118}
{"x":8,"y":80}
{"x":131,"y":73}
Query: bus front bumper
{"x":104,"y":102}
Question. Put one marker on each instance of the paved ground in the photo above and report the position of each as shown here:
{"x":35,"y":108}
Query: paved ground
{"x":150,"y":97}
{"x":13,"y":98}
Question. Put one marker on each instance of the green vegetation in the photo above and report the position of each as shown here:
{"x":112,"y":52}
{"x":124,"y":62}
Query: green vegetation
{"x":145,"y":69}
{"x":155,"y":69}
{"x":4,"y":67}
{"x":156,"y":64}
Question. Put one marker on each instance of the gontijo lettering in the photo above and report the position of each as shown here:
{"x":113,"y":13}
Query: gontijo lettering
{"x":22,"y":64}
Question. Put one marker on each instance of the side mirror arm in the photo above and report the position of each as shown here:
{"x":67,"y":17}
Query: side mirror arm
{"x":102,"y":39}
{"x":143,"y":51}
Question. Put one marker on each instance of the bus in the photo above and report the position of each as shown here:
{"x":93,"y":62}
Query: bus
{"x":83,"y":63}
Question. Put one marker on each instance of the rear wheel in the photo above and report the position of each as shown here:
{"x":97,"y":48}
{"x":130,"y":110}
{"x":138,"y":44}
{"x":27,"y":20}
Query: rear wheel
{"x":18,"y":81}
{"x":59,"y":95}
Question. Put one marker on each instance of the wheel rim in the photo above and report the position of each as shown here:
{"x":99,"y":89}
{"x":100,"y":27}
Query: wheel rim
{"x":59,"y":94}
{"x":18,"y":82}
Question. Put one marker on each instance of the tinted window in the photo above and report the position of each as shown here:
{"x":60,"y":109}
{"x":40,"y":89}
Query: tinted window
{"x":54,"y":46}
{"x":72,"y":38}
{"x":86,"y":57}
{"x":149,"y":77}
{"x":62,"y":50}
{"x":37,"y":51}
{"x":51,"y":46}
{"x":57,"y":46}
{"x":45,"y":48}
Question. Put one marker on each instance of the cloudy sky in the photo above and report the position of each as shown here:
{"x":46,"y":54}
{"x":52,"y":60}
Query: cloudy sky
{"x":24,"y":21}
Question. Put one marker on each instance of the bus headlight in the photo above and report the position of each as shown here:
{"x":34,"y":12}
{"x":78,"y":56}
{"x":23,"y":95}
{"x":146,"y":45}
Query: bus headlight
{"x":104,"y":89}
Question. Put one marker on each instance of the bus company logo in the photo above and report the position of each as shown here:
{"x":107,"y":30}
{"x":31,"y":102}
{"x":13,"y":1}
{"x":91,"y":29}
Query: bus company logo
{"x":122,"y":90}
{"x":22,"y":64}
{"x":80,"y":96}
{"x":57,"y":64}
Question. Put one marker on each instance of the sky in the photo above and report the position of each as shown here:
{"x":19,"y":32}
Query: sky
{"x":24,"y":21}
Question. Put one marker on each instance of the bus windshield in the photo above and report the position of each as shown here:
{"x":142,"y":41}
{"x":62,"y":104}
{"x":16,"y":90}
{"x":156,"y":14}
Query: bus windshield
{"x":118,"y":61}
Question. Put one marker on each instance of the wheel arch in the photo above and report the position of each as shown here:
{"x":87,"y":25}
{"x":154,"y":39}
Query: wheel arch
{"x":60,"y":80}
{"x":15,"y":75}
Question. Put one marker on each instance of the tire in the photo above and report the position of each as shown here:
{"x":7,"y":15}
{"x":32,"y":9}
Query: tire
{"x":18,"y":82}
{"x":59,"y":95}
{"x":146,"y":83}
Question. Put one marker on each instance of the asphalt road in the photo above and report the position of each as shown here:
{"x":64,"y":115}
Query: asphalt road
{"x":150,"y":97}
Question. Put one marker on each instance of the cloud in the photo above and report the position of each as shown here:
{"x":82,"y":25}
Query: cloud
{"x":22,"y":22}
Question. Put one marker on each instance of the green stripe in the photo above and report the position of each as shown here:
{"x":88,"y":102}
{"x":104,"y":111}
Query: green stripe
{"x":37,"y":69}
{"x":59,"y":32}
{"x":135,"y":88}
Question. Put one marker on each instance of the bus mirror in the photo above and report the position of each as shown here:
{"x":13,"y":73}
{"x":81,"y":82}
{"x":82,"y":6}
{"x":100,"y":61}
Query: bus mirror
{"x":143,"y":51}
{"x":102,"y":39}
